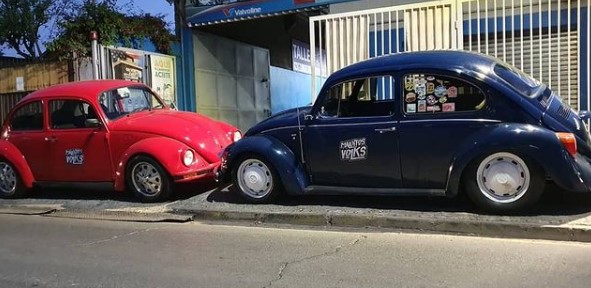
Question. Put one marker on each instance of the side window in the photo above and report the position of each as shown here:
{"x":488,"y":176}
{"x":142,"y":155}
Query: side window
{"x":366,"y":97}
{"x":425,"y":93}
{"x":70,"y":114}
{"x":28,"y":117}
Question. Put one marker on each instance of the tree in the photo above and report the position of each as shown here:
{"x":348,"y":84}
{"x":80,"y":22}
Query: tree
{"x":112,"y":27}
{"x":20,"y":21}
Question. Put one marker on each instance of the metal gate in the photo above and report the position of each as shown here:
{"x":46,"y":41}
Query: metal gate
{"x":547,"y":39}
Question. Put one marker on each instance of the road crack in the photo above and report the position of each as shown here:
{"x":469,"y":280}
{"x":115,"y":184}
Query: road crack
{"x":115,"y":237}
{"x":334,"y":251}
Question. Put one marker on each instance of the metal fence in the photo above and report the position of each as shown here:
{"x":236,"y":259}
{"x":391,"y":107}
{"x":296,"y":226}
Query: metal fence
{"x":547,"y":39}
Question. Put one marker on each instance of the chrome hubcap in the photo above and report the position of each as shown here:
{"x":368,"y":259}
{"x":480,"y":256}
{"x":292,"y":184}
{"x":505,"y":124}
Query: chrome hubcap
{"x":503,"y":177}
{"x":146,"y":179}
{"x":7,"y":179}
{"x":254,"y":178}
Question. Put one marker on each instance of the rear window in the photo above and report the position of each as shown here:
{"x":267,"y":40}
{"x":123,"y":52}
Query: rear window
{"x":521,"y":82}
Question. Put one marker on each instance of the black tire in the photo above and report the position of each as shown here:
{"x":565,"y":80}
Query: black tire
{"x":154,"y":188}
{"x":260,"y":171}
{"x":11,"y":184}
{"x":519,"y":198}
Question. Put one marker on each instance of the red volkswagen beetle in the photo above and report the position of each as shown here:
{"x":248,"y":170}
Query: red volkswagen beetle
{"x":107,"y":131}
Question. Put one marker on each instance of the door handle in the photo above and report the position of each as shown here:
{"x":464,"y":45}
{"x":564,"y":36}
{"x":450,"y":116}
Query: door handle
{"x":384,"y":130}
{"x":50,"y":139}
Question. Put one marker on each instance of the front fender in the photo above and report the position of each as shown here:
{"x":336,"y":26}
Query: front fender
{"x":14,"y":156}
{"x":537,"y":144}
{"x":286,"y":164}
{"x":166,"y":151}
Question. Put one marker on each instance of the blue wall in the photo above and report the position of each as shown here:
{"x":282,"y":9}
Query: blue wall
{"x":290,"y":89}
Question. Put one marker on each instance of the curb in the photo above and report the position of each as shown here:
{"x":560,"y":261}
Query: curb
{"x":469,"y":227}
{"x":463,"y":227}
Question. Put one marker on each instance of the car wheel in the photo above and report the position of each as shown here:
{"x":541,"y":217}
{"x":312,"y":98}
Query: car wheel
{"x":148,"y":181}
{"x":504,"y":182}
{"x":11,"y":185}
{"x":255,"y":179}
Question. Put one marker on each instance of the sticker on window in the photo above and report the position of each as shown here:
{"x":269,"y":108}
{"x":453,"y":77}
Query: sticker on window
{"x":353,"y":149}
{"x":434,"y":108}
{"x":452,"y":92}
{"x":420,"y":89}
{"x":449,"y":107}
{"x":411,"y":108}
{"x":440,"y":91}
{"x":430,"y":87}
{"x":74,"y":156}
{"x":422,"y":106}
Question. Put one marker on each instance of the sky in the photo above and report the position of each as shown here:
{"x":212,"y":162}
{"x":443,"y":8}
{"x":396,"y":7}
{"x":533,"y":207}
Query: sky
{"x":153,"y":7}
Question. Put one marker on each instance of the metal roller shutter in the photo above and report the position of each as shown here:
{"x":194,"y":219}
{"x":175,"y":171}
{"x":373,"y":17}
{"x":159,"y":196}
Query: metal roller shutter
{"x":549,"y":60}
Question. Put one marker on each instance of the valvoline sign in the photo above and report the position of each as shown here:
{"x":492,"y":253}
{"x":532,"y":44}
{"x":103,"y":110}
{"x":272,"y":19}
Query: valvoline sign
{"x":210,"y":12}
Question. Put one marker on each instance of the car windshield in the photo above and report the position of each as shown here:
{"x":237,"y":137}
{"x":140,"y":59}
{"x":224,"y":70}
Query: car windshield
{"x":521,"y":82}
{"x":123,"y":101}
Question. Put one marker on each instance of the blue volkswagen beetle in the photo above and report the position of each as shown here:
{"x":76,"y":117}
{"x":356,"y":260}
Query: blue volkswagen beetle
{"x":419,"y":123}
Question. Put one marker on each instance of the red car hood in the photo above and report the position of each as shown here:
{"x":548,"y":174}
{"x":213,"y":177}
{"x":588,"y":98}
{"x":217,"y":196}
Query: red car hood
{"x":207,"y":136}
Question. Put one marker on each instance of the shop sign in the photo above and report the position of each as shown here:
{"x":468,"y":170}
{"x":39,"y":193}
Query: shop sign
{"x":203,"y":12}
{"x":162,"y":70}
{"x":301,"y":59}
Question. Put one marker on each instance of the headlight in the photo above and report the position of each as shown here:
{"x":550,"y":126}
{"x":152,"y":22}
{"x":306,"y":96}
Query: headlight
{"x":188,"y":157}
{"x":237,"y":136}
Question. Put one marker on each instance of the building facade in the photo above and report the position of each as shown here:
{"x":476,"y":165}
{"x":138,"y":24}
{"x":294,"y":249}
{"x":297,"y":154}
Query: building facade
{"x":245,"y":60}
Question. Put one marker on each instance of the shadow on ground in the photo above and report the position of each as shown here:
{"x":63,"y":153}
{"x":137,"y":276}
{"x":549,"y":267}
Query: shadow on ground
{"x":553,"y":202}
{"x":105,"y":192}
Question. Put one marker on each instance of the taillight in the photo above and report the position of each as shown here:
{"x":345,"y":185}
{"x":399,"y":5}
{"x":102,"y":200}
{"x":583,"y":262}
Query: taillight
{"x":569,"y":142}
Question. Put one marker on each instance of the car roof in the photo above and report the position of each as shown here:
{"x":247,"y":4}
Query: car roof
{"x":87,"y":90}
{"x":437,"y":60}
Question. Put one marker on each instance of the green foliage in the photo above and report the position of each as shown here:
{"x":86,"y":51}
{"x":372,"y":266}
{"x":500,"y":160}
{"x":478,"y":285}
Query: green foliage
{"x":20,"y":21}
{"x":112,"y":27}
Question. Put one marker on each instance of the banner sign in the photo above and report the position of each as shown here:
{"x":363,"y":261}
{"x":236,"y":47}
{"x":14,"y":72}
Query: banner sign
{"x":162,"y":70}
{"x":204,"y":12}
{"x":301,"y":59}
{"x":127,"y":65}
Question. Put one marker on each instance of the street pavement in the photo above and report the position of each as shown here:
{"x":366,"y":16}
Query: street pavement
{"x":54,"y":252}
{"x":559,"y":216}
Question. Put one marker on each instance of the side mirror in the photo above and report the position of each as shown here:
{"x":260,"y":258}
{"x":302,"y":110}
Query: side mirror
{"x":92,"y":123}
{"x":585,"y":115}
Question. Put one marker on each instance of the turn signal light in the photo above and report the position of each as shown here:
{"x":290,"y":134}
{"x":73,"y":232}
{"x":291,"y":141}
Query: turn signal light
{"x":569,"y":142}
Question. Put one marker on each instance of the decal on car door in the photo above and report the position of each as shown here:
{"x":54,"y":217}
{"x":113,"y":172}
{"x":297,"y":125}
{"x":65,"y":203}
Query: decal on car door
{"x":353,"y":149}
{"x":75,"y":156}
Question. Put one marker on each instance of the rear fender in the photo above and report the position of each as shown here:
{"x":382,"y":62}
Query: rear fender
{"x":286,"y":164}
{"x":14,"y":156}
{"x":535,"y":143}
{"x":166,"y":151}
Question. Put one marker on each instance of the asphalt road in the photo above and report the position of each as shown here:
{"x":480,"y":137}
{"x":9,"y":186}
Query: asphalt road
{"x":53,"y":252}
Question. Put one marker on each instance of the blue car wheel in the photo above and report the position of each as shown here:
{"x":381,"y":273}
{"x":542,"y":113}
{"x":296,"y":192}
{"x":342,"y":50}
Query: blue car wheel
{"x":255,"y":179}
{"x":504,"y":182}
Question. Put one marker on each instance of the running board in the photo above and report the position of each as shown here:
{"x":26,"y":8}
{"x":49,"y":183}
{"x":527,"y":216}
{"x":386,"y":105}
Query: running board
{"x":339,"y":190}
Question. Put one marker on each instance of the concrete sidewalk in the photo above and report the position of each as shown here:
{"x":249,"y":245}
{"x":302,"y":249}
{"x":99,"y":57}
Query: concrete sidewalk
{"x":560,"y":216}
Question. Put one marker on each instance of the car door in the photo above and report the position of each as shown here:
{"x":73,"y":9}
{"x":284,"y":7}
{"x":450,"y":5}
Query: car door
{"x":29,"y":135}
{"x":440,"y":113}
{"x":352,"y":139}
{"x":80,"y":151}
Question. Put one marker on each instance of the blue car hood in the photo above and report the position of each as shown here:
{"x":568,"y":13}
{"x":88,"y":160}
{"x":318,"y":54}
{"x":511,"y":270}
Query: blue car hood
{"x":282,"y":119}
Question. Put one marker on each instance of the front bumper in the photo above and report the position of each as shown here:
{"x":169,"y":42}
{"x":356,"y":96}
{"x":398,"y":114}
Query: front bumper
{"x":206,"y":172}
